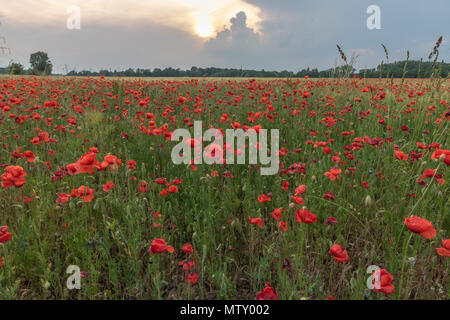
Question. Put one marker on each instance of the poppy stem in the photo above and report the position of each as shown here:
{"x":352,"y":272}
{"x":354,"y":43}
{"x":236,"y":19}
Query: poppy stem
{"x":338,"y":205}
{"x":426,"y":189}
{"x":403,"y":261}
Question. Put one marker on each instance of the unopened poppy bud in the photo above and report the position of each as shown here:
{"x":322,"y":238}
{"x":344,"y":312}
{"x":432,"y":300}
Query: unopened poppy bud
{"x":46,"y":285}
{"x":291,"y":205}
{"x":368,"y":201}
{"x":412,"y":261}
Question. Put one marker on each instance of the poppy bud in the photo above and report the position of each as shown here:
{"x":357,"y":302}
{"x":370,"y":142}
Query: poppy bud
{"x":368,"y":201}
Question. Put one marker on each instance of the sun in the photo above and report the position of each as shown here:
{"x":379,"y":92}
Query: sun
{"x":203,"y":26}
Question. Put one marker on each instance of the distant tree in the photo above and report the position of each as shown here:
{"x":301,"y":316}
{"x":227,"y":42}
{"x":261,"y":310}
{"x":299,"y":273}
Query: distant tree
{"x":15,"y":68}
{"x":40,"y":63}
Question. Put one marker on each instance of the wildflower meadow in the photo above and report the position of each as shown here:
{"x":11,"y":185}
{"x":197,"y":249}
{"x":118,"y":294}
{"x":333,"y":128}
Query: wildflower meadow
{"x":356,"y":208}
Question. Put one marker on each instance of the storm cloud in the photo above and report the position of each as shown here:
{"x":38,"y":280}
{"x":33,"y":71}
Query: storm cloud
{"x":237,"y":44}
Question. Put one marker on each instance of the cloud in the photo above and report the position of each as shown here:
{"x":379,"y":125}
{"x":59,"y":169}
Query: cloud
{"x":181,"y":14}
{"x":235,"y":40}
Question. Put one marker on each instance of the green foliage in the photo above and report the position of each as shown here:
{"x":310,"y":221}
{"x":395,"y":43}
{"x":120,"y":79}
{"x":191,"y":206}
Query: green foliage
{"x":15,"y":68}
{"x":415,"y":69}
{"x":40,"y":63}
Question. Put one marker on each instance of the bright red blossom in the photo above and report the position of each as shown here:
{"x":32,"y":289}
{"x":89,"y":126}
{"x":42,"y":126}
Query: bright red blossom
{"x":383,"y":282}
{"x":339,"y":253}
{"x":108,"y":186}
{"x":268,"y":293}
{"x":445,"y":250}
{"x":306,"y":216}
{"x":159,"y":246}
{"x":420,"y":226}
{"x":13,"y":176}
{"x":257,"y":221}
{"x":5,"y":236}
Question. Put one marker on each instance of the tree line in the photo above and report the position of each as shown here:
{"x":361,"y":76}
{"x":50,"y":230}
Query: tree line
{"x":41,"y":65}
{"x":414,"y":69}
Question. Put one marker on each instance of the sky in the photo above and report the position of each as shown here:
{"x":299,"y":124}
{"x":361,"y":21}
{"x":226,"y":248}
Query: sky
{"x":249,"y":34}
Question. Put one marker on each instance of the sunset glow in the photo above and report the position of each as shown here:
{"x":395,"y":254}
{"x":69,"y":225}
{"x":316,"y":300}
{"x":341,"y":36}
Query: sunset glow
{"x":202,"y":17}
{"x":204,"y":27}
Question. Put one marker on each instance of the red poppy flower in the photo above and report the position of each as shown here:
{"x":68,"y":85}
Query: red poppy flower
{"x":328,"y":195}
{"x":297,"y":200}
{"x":445,"y":251}
{"x":86,"y":163}
{"x":401,"y":155}
{"x":113,"y":161}
{"x":159,"y":246}
{"x":161,"y":180}
{"x":84,"y":193}
{"x":131,"y":164}
{"x":283,"y":225}
{"x":36,"y":140}
{"x":304,"y":215}
{"x":192,"y":277}
{"x":71,"y":168}
{"x":383,"y":282}
{"x":29,"y":155}
{"x":177,"y":181}
{"x":143,"y":186}
{"x":28,"y":199}
{"x":108,"y":186}
{"x":257,"y":221}
{"x":331,"y":220}
{"x":300,"y":190}
{"x":276,"y":214}
{"x":268,"y":293}
{"x":420,"y":226}
{"x":333,"y":174}
{"x":428,"y":173}
{"x":63,"y":198}
{"x":442,"y":154}
{"x":263,"y":198}
{"x":5,"y":236}
{"x":188,"y":265}
{"x":214,"y":173}
{"x":339,"y":253}
{"x":13,"y":176}
{"x":187,"y":248}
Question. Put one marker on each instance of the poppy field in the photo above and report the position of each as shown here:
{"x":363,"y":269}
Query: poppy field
{"x":358,"y":209}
